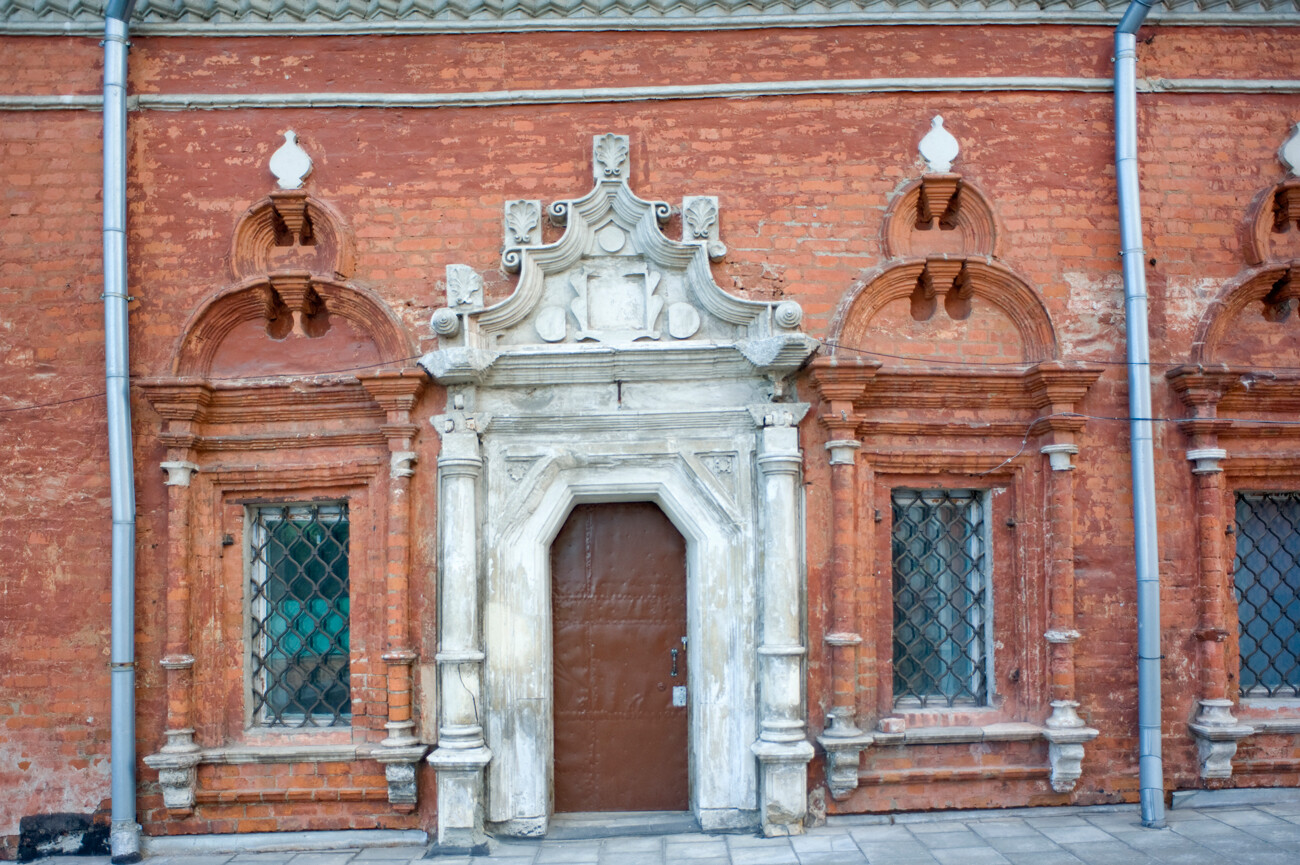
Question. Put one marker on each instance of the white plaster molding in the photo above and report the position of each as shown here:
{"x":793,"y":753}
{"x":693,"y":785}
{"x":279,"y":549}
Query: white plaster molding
{"x":235,"y":755}
{"x":488,"y":99}
{"x":1206,"y":460}
{"x":521,"y":223}
{"x":176,"y":662}
{"x":401,"y":464}
{"x":1217,"y":733}
{"x":700,"y":215}
{"x":281,"y":842}
{"x":843,"y":452}
{"x":1066,"y":735}
{"x":290,"y":164}
{"x":399,"y":761}
{"x":894,"y":731}
{"x":464,"y":288}
{"x":614,"y":279}
{"x":176,"y":764}
{"x":297,"y":18}
{"x":843,"y":639}
{"x":1276,"y":725}
{"x":843,"y":743}
{"x":1058,"y":456}
{"x":179,"y":472}
{"x":1289,"y":152}
{"x":619,"y":371}
{"x":938,"y":148}
{"x":1062,"y":635}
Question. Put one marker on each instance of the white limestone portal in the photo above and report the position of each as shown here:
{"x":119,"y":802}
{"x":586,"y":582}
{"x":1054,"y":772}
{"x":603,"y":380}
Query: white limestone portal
{"x":618,"y":371}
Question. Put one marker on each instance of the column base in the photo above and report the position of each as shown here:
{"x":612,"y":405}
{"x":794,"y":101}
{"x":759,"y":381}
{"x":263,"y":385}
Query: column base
{"x":1217,"y":733}
{"x":783,"y":785}
{"x":176,"y":763}
{"x":1066,"y":734}
{"x":399,"y":769}
{"x":460,"y":796}
{"x":843,"y":743}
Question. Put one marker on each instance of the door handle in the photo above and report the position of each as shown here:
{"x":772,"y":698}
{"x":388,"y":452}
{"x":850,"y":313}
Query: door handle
{"x":674,"y":671}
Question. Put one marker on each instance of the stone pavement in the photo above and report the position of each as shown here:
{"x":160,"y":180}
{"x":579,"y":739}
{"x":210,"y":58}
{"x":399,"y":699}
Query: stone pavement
{"x":1259,"y":834}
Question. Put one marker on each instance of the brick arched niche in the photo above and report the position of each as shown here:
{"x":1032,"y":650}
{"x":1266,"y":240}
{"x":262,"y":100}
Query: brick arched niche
{"x":945,"y":308}
{"x":940,"y":214}
{"x":290,"y":323}
{"x":287,"y":389}
{"x":618,"y":370}
{"x":291,"y":230}
{"x":1255,"y":321}
{"x":942,"y":377}
{"x":1240,"y":393}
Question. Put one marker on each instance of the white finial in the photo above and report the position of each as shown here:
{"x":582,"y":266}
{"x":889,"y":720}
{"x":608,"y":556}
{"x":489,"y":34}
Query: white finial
{"x":290,"y":164}
{"x":938,"y":148}
{"x":1289,"y":152}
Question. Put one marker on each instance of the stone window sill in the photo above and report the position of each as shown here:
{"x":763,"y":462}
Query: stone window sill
{"x":1007,"y":731}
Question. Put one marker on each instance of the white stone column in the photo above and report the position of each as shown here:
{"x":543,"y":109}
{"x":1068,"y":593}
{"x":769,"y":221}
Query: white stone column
{"x":462,"y":754}
{"x":782,"y":748}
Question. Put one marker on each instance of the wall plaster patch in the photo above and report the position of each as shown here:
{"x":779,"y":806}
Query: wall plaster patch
{"x":618,"y":371}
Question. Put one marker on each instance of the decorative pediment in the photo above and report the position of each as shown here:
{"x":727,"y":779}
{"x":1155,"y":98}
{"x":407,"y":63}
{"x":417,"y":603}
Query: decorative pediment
{"x":613,"y":280}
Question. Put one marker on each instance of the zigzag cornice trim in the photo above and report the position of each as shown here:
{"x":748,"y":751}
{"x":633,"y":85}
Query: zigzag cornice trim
{"x":228,"y":17}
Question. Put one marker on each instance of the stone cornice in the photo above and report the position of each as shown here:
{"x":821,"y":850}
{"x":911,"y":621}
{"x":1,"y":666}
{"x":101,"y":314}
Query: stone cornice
{"x":1225,"y":390}
{"x":300,"y":17}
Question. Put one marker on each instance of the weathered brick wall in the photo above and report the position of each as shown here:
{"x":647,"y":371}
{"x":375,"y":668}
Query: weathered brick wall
{"x":54,"y":529}
{"x":804,"y":184}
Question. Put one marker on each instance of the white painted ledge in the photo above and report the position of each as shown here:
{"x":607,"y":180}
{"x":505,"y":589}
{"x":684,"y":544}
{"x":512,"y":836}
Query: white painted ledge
{"x":275,"y":842}
{"x":722,"y":90}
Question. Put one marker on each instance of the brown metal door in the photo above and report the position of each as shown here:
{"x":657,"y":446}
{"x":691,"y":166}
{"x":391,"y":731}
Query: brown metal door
{"x":618,"y":595}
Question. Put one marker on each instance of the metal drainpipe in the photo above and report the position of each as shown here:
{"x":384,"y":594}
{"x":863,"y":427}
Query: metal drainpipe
{"x":124,"y":837}
{"x":1150,"y":764}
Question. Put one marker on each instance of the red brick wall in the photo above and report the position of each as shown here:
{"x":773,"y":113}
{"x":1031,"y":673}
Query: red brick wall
{"x":804,"y":183}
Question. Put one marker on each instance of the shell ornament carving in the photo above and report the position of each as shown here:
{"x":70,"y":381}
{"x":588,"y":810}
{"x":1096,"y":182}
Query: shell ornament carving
{"x":611,"y":153}
{"x":464,"y":286}
{"x":700,"y":216}
{"x":522,"y":218}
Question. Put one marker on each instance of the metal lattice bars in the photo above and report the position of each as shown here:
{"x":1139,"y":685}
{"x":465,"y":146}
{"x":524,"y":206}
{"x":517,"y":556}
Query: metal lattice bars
{"x":1266,"y":577}
{"x":299,"y":615}
{"x":942,"y":634}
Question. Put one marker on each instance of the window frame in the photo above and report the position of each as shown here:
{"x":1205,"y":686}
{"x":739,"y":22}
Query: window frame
{"x":1017,"y":609}
{"x":257,"y":708}
{"x":981,"y":500}
{"x":1286,"y":693}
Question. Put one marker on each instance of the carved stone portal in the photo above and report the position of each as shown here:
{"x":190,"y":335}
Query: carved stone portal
{"x":619,"y":371}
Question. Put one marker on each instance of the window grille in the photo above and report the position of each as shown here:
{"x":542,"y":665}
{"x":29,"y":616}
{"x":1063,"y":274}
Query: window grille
{"x":1266,"y":577}
{"x":299,"y":615}
{"x":942,"y":621}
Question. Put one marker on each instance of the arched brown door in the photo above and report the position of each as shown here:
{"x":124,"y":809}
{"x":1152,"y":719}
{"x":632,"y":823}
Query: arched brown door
{"x":618,"y":597}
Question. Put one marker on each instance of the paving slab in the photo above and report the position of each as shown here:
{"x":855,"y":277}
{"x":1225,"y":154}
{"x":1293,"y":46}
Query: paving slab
{"x":1003,"y":829}
{"x":371,"y":854}
{"x":1023,"y":843}
{"x":970,"y":856}
{"x":1267,"y":833}
{"x":950,"y":839}
{"x":834,"y":857}
{"x":1075,"y":834}
{"x":1049,"y":857}
{"x":1107,"y":853}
